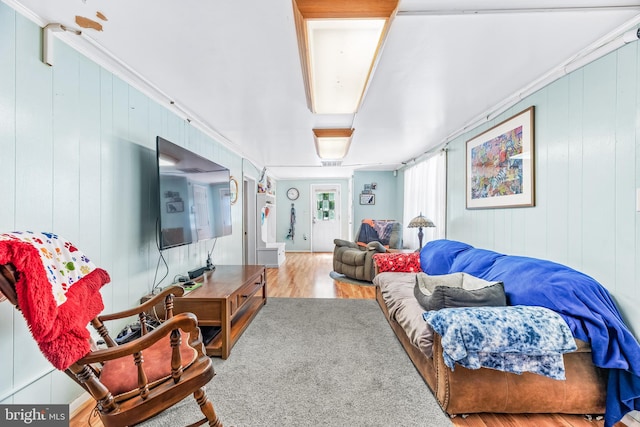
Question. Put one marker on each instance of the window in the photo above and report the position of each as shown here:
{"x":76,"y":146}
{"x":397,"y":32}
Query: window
{"x":425,"y":191}
{"x":326,"y":206}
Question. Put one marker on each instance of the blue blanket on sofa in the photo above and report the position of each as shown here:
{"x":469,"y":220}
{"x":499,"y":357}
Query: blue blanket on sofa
{"x":585,"y":304}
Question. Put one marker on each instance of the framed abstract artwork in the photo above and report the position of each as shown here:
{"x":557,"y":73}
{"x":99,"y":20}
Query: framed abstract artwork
{"x":500,"y":164}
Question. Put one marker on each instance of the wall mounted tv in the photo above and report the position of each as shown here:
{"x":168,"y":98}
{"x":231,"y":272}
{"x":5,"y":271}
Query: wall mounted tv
{"x":195,"y":196}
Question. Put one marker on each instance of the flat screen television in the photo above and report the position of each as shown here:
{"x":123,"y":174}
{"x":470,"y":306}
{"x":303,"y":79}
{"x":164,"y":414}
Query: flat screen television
{"x":195,"y":196}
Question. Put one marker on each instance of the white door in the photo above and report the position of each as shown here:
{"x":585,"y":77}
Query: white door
{"x":326,"y":216}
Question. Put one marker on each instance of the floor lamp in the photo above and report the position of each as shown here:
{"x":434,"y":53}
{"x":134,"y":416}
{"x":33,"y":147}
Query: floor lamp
{"x":419,"y":222}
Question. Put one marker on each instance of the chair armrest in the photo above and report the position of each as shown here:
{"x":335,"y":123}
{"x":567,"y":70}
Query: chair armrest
{"x":377,"y":247}
{"x":176,"y":290}
{"x":341,"y":242}
{"x":188,"y":322}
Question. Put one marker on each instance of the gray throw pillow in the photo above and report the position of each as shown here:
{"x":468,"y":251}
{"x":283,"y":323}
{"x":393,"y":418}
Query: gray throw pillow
{"x":451,"y":292}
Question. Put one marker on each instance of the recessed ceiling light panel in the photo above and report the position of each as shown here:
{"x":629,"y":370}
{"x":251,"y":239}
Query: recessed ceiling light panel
{"x":339,"y":42}
{"x":332,"y":144}
{"x":341,"y":53}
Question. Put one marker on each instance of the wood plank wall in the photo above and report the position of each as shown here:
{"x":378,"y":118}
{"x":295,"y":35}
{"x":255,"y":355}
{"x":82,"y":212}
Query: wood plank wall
{"x":77,"y":157}
{"x":587,"y":171}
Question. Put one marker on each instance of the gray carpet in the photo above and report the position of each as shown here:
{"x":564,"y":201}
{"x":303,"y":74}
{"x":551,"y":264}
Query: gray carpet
{"x":342,"y":278}
{"x":316,"y":362}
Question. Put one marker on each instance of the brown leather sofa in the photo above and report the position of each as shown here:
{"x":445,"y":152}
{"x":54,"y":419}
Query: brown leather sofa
{"x":467,"y":391}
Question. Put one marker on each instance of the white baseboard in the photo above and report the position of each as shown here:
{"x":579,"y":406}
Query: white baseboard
{"x":79,"y":402}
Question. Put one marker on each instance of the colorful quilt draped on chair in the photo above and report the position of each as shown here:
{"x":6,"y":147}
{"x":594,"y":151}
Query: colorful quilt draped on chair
{"x":375,"y":230}
{"x":57,"y":290}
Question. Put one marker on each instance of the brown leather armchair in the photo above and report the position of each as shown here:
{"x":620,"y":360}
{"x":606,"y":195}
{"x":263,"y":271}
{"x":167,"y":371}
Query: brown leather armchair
{"x":355,"y":259}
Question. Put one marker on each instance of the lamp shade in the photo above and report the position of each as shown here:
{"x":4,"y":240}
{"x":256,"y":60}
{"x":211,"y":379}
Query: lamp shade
{"x":420,"y":221}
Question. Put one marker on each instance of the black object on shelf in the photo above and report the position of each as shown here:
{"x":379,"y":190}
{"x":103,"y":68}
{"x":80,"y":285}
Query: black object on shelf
{"x":197,"y":272}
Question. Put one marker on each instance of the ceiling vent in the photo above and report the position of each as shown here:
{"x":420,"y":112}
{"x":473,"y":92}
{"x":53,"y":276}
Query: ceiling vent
{"x":331,"y":162}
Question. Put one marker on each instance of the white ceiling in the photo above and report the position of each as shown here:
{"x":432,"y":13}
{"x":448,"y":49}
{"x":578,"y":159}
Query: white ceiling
{"x":232,"y":67}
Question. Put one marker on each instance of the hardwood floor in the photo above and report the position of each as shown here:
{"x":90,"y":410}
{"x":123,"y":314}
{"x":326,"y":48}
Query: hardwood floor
{"x":305,"y":275}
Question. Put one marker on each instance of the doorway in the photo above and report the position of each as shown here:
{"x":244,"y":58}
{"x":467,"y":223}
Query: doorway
{"x":326,"y":216}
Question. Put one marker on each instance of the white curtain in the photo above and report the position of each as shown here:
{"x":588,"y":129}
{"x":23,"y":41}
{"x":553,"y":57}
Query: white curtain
{"x":425,"y":186}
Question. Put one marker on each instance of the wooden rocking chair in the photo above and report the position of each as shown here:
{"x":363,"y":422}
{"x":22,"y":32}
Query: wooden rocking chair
{"x":135,"y":381}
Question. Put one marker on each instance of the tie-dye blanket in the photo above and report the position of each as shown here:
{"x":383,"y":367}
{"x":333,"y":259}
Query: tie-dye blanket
{"x":513,"y":339}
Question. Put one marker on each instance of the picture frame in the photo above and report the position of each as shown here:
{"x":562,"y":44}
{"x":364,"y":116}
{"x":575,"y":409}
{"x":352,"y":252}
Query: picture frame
{"x":500,"y":164}
{"x":175,"y":207}
{"x":367,"y":199}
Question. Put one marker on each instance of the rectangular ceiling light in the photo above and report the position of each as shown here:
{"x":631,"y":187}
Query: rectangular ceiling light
{"x":339,"y":43}
{"x":341,"y":53}
{"x":332,"y":144}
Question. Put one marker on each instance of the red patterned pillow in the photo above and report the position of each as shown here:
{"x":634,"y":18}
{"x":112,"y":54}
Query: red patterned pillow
{"x":398,"y":262}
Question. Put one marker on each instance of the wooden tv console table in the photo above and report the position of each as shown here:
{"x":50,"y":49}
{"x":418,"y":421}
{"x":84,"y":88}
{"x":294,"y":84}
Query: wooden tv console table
{"x":229,"y":298}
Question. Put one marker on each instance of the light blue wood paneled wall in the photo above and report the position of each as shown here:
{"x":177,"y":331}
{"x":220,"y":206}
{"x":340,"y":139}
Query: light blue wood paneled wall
{"x":303,"y":211}
{"x":77,"y":157}
{"x":388,"y":202}
{"x":8,"y":179}
{"x":587,"y":171}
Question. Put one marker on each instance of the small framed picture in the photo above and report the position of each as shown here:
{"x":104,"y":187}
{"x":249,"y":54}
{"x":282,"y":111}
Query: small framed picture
{"x":367,"y":199}
{"x":175,"y":207}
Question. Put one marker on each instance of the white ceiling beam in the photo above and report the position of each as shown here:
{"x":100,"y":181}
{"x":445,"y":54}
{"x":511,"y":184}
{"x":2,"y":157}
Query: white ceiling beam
{"x":488,"y":11}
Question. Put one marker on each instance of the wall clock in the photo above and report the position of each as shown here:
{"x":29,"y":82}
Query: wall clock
{"x":293,"y":193}
{"x":233,"y":190}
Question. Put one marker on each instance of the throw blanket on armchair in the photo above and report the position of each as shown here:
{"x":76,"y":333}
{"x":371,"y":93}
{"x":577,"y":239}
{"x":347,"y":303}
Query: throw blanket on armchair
{"x":585,"y":305}
{"x":57,"y":290}
{"x":375,"y":230}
